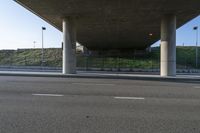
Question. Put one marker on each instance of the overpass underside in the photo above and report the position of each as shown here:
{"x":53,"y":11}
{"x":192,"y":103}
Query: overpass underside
{"x":116,"y":24}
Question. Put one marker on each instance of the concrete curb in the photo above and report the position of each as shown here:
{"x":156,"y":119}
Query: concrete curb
{"x":179,"y":78}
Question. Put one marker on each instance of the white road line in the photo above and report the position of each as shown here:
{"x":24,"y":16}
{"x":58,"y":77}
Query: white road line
{"x":48,"y":95}
{"x":197,"y":87}
{"x":130,"y":98}
{"x":92,"y":84}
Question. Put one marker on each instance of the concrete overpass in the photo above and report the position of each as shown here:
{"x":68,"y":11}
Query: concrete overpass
{"x":116,"y":24}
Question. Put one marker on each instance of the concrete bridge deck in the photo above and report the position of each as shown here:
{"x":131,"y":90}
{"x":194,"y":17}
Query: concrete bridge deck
{"x":114,"y":24}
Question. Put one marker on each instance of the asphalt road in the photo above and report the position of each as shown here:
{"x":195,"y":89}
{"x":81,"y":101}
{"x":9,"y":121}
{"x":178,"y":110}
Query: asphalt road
{"x":72,"y":105}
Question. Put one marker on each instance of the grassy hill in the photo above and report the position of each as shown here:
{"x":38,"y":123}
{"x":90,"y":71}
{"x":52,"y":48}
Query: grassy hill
{"x":30,"y":57}
{"x":53,"y":57}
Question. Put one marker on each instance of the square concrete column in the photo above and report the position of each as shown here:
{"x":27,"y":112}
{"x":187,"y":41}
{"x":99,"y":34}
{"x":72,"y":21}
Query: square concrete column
{"x":69,"y":46}
{"x":168,"y":45}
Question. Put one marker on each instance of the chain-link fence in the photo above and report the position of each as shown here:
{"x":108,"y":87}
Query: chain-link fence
{"x":186,"y":60}
{"x":117,"y":64}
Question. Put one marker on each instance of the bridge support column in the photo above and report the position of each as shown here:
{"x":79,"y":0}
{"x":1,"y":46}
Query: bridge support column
{"x":168,"y":46}
{"x":69,"y":46}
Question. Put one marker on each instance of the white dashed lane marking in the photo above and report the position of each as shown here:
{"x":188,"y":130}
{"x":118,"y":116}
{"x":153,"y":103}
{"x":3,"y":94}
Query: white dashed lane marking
{"x":130,"y":98}
{"x":49,"y":95}
{"x":197,"y":87}
{"x":93,"y":84}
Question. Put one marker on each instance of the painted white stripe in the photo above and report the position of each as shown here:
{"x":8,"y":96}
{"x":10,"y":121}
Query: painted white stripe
{"x":48,"y":95}
{"x":130,"y":98}
{"x":93,"y":84}
{"x":197,"y":87}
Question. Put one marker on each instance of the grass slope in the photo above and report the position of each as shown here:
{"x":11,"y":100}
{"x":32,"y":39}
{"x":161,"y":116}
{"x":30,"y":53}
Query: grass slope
{"x":53,"y":57}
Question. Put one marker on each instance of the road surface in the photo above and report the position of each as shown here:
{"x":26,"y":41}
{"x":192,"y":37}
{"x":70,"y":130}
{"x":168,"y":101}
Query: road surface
{"x":80,"y":105}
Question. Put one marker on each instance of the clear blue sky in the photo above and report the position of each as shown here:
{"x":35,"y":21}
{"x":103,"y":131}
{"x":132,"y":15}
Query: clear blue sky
{"x":19,"y":28}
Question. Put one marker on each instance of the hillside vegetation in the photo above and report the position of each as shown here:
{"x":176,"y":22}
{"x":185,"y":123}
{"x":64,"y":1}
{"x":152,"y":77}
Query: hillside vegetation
{"x":53,"y":57}
{"x":30,"y":57}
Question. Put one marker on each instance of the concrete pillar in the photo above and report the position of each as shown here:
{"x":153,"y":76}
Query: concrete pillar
{"x":69,"y":46}
{"x":168,"y":46}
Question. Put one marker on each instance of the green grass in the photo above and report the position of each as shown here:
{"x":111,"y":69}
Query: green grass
{"x":53,"y":57}
{"x":30,"y":57}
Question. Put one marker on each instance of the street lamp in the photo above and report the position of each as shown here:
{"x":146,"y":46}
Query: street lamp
{"x":34,"y":42}
{"x":43,"y":28}
{"x":196,"y":29}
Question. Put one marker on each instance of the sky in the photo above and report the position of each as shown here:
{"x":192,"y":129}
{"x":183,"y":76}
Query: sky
{"x":19,"y":28}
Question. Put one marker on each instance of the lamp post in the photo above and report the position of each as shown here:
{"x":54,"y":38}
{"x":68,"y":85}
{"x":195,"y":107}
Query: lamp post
{"x":43,"y":28}
{"x":34,"y":42}
{"x":196,"y":29}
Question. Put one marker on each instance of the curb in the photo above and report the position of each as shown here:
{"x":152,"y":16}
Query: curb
{"x":99,"y":76}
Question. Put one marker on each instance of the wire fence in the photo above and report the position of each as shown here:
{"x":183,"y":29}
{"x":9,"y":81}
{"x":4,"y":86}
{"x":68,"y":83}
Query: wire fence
{"x":186,"y":59}
{"x":106,"y":63}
